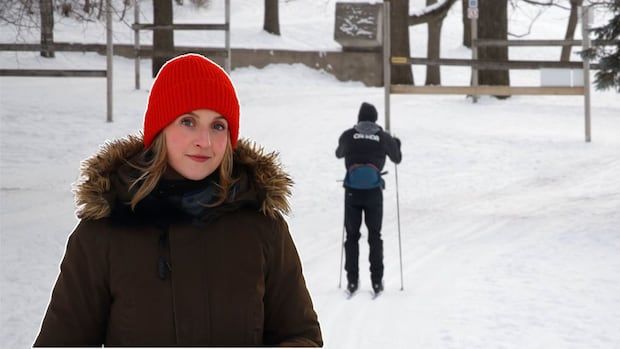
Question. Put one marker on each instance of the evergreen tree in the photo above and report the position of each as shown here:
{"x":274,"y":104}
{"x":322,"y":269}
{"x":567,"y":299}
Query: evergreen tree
{"x":608,"y":56}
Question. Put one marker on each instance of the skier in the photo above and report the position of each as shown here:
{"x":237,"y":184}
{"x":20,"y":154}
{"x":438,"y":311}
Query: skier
{"x":364,"y":148}
{"x":182,"y":239}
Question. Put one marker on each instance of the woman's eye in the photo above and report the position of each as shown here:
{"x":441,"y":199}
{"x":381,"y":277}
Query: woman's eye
{"x":220,"y":127}
{"x":187,"y":122}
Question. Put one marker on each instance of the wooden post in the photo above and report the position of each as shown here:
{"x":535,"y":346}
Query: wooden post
{"x":136,"y":41}
{"x":109,"y":61}
{"x":227,"y":65}
{"x":387,"y":63}
{"x":474,"y":55}
{"x":585,"y":40}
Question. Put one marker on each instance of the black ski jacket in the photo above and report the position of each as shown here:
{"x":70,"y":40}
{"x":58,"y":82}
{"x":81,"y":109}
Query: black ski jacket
{"x":367,"y":143}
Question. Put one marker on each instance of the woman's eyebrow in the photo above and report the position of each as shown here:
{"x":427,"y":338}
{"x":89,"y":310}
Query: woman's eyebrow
{"x":196,"y":115}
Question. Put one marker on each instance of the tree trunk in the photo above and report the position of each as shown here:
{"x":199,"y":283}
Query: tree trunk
{"x":100,"y":9}
{"x":570,"y":29}
{"x":163,"y":39}
{"x":493,"y":24}
{"x":466,"y":25}
{"x":47,"y":28}
{"x":399,"y":33}
{"x":433,"y":73}
{"x":271,"y":23}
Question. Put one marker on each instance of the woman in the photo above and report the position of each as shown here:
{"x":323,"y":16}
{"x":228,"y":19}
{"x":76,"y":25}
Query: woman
{"x":181,"y":239}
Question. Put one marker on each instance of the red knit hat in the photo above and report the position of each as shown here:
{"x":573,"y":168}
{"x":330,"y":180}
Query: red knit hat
{"x":186,"y":83}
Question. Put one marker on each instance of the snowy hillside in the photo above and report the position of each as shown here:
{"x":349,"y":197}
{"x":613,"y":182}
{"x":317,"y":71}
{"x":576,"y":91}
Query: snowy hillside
{"x":510,"y":222}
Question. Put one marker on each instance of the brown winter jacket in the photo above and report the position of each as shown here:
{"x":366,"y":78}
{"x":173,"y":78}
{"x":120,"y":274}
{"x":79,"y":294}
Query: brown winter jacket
{"x":230,"y":278}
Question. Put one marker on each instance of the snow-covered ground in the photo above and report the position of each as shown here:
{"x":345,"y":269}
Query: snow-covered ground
{"x":510,"y":222}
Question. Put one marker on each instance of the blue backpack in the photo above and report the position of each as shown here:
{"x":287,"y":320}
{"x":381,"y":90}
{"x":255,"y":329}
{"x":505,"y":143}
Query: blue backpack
{"x":363,"y":176}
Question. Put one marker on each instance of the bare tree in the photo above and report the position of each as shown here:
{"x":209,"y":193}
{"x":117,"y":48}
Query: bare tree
{"x":23,"y":14}
{"x":399,"y":29}
{"x":573,"y":19}
{"x":399,"y":37}
{"x":570,"y":29}
{"x":493,"y":24}
{"x":433,"y":72}
{"x":271,"y":22}
{"x":87,"y":6}
{"x":46,"y":8}
{"x":163,"y":39}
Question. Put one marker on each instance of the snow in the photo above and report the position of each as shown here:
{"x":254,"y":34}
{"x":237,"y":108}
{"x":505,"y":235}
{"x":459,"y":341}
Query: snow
{"x":413,"y":11}
{"x":509,"y":220}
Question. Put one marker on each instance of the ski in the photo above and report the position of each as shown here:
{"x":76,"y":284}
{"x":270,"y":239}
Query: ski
{"x":350,"y":295}
{"x":376,"y":295}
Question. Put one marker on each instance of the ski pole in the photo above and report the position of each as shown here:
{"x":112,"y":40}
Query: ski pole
{"x":341,"y":255}
{"x":400,"y":249}
{"x":342,"y":241}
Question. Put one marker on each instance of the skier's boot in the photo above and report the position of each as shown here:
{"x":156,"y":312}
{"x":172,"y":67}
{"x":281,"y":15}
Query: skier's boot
{"x":352,"y":287}
{"x":377,"y":287}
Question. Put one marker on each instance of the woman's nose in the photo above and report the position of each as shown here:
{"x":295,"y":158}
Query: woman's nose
{"x":203,"y":140}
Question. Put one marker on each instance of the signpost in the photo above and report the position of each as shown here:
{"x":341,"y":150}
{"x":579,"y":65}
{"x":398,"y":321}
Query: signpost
{"x":472,"y":13}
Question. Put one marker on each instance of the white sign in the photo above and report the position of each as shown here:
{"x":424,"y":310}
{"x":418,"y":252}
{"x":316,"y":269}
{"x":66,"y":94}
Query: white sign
{"x":473,"y":3}
{"x":472,"y":13}
{"x":555,"y":77}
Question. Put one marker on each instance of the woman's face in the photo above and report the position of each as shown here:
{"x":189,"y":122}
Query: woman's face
{"x":196,"y":142}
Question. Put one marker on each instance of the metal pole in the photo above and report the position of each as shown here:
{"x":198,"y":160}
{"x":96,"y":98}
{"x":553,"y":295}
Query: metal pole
{"x":474,"y":55}
{"x":136,"y":42}
{"x":400,"y":249}
{"x":109,"y":61}
{"x":585,"y":41}
{"x":387,"y":82}
{"x":227,"y":65}
{"x":387,"y":64}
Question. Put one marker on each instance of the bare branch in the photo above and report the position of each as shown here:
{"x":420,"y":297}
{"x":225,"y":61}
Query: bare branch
{"x":549,"y":3}
{"x":434,"y":14}
{"x":529,"y":29}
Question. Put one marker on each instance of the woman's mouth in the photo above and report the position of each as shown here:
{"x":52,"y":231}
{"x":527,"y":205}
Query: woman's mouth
{"x":198,"y":158}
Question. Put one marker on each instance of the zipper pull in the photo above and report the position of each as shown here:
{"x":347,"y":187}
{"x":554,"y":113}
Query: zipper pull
{"x":164,"y":268}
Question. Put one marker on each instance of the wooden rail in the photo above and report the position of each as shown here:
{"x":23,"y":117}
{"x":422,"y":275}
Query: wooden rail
{"x":486,"y":90}
{"x":533,"y":43}
{"x":489,"y":65}
{"x":54,"y":73}
{"x":216,"y":52}
{"x":180,"y":26}
{"x":142,"y":52}
{"x":56,"y":46}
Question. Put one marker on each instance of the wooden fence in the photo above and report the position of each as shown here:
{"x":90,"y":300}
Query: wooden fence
{"x":107,"y":73}
{"x":475,"y":64}
{"x":137,"y":27}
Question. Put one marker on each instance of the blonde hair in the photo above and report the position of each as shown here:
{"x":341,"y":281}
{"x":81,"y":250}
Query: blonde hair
{"x":153,"y":163}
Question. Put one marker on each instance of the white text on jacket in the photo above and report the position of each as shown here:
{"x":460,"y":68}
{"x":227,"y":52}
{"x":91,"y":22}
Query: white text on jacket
{"x":363,"y":136}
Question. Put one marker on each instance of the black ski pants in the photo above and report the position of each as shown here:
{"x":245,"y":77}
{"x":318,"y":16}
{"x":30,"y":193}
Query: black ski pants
{"x":370,"y":203}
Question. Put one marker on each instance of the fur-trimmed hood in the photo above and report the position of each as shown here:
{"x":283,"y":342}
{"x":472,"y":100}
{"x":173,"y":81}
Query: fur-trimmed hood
{"x":94,"y":191}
